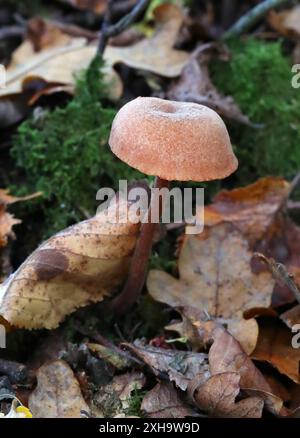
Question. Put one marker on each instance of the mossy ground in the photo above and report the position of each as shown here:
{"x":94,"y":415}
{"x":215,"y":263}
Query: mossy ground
{"x":64,"y":154}
{"x":259,"y":78}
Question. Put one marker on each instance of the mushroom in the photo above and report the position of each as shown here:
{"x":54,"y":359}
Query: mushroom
{"x":173,"y":141}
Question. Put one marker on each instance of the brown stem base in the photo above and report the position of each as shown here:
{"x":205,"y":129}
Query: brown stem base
{"x":139,"y":261}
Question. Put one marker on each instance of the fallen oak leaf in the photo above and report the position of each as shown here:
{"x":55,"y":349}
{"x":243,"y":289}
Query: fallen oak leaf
{"x":164,"y":401}
{"x":57,"y":394}
{"x":180,"y":366}
{"x":216,"y":276}
{"x":155,"y":54}
{"x":259,"y":212}
{"x":77,"y":266}
{"x":195,"y":85}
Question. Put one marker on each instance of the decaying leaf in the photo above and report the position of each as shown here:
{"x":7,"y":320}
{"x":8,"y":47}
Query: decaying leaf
{"x":217,"y":397}
{"x":57,"y":394}
{"x":48,"y":61}
{"x":114,"y":398}
{"x":156,"y":53}
{"x":259,"y":212}
{"x":225,"y":356}
{"x":164,"y":401}
{"x":274,"y":345}
{"x":216,"y":276}
{"x":77,"y":266}
{"x":251,"y":209}
{"x":180,"y":366}
{"x":195,"y":85}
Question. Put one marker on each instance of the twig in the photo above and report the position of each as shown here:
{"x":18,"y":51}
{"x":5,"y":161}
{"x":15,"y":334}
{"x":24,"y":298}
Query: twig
{"x":11,"y":31}
{"x":105,"y":342}
{"x":109,"y":31}
{"x":280,"y":273}
{"x":251,"y":18}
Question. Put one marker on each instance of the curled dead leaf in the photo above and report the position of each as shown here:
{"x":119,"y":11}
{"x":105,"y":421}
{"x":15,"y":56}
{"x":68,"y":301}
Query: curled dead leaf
{"x":164,"y":401}
{"x":77,"y":266}
{"x":180,"y":366}
{"x":217,"y":397}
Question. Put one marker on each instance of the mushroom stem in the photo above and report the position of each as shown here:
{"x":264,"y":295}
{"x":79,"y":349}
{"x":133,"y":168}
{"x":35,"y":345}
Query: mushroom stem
{"x":139,"y":262}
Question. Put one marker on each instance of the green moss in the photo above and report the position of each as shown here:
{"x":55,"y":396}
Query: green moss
{"x":259,"y":77}
{"x":135,"y":402}
{"x":64,"y":154}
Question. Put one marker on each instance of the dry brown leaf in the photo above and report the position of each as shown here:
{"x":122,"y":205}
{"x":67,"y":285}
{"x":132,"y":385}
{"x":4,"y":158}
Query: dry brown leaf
{"x":53,"y":57}
{"x":274,"y":345}
{"x":57,"y":394}
{"x":286,"y":22}
{"x":155,"y":54}
{"x":258,"y":211}
{"x":226,"y":355}
{"x":195,"y":85}
{"x":77,"y":266}
{"x":217,"y":397}
{"x":164,"y":401}
{"x":216,"y":276}
{"x":180,"y":366}
{"x":113,"y":399}
{"x":251,"y":209}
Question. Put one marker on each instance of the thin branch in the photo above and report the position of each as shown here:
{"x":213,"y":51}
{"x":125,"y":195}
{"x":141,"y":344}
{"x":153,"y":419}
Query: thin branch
{"x":280,"y":274}
{"x":115,"y":29}
{"x":11,"y":31}
{"x":252,"y":17}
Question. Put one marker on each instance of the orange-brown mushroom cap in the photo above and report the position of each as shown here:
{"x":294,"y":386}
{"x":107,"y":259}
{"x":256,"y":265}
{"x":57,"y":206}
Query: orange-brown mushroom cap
{"x":173,"y":140}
